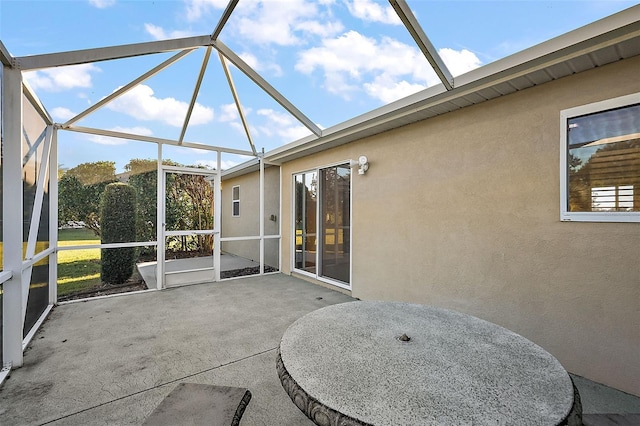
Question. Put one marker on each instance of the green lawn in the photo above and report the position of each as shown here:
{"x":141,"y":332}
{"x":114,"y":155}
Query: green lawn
{"x":77,"y":236}
{"x":77,"y":269}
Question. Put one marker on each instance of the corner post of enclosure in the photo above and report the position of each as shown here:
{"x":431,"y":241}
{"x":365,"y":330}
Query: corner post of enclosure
{"x":160,"y":222}
{"x":280,"y":190}
{"x":53,"y":217}
{"x":12,"y":193}
{"x":262,"y":212}
{"x":217,"y":216}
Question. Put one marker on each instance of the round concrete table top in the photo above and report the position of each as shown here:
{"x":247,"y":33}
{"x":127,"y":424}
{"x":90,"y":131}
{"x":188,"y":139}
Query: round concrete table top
{"x":348,"y":362}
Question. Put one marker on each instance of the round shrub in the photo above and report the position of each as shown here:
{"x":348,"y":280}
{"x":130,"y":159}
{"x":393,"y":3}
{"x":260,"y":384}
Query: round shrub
{"x":118,"y":225}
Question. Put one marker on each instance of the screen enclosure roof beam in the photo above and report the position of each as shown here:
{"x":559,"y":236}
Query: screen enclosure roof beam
{"x":264,"y":85}
{"x":160,"y":141}
{"x":196,"y":90}
{"x":5,"y":57}
{"x":224,"y":18}
{"x":121,"y":91}
{"x":413,"y":26}
{"x":232,"y":87}
{"x":75,"y":57}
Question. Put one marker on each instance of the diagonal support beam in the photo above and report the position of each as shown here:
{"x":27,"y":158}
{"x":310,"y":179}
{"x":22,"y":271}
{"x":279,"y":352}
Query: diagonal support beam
{"x":196,"y":90}
{"x":264,"y":85}
{"x":237,"y":101}
{"x":32,"y":148}
{"x":125,"y":89}
{"x":43,"y":174}
{"x":413,"y":26}
{"x":223,"y":20}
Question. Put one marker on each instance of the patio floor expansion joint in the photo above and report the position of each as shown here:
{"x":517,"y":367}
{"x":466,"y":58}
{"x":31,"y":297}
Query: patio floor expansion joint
{"x":161,"y":385}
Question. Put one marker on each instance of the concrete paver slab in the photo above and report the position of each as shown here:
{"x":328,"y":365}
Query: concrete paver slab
{"x":94,"y":353}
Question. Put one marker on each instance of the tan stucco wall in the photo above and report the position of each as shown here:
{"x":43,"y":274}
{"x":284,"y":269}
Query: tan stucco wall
{"x":462,"y":211}
{"x":248,"y":223}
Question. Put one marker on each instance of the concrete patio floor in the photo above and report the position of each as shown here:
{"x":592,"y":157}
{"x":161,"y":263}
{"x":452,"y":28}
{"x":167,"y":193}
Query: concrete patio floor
{"x":111,"y":361}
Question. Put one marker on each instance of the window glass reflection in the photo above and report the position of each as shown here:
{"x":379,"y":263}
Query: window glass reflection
{"x":604,"y":161}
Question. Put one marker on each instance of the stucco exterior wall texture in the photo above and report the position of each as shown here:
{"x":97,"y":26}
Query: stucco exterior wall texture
{"x":462,"y":211}
{"x":248,"y":223}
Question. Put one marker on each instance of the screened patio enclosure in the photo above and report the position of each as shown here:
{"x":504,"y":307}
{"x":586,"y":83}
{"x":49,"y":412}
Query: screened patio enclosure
{"x":31,"y":190}
{"x":36,"y":186}
{"x":31,"y":195}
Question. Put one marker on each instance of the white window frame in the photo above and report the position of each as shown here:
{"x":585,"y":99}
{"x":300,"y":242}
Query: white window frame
{"x":235,"y":201}
{"x":565,"y":115}
{"x":316,"y":275}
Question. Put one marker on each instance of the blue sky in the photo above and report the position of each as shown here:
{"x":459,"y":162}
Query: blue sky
{"x":334,"y":59}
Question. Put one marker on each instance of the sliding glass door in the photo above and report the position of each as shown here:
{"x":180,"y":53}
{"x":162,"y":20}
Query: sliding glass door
{"x":323,"y":207}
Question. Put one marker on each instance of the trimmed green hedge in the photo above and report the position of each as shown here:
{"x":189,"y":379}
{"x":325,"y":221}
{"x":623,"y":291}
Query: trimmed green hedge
{"x":118,"y":225}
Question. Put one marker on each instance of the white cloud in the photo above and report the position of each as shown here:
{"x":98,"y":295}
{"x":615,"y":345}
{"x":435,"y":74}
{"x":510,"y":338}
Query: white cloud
{"x":197,"y":8}
{"x":62,"y":78}
{"x":255,"y":64}
{"x":158,"y":33}
{"x":228,"y":112}
{"x":284,"y":23}
{"x":282,"y":125}
{"x":102,"y":4}
{"x":323,"y":30}
{"x":141,"y":104}
{"x":107,"y":140}
{"x":367,"y":10}
{"x":351,"y":60}
{"x":388,"y":90}
{"x":62,"y":114}
{"x":385,"y":69}
{"x":459,"y":61}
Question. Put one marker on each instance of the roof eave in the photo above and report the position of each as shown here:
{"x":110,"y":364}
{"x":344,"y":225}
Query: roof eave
{"x":607,"y":32}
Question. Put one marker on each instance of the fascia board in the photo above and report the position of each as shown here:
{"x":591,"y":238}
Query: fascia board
{"x":608,"y":31}
{"x":249,"y":166}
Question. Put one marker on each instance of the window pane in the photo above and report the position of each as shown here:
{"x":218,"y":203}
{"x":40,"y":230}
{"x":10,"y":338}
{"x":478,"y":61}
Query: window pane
{"x":336,"y":223}
{"x":604,"y":161}
{"x":236,"y":193}
{"x":38,"y":298}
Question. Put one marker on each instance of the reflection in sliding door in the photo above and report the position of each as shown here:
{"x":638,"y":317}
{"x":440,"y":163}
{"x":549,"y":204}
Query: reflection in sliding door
{"x":305,"y":216}
{"x":335,"y":184}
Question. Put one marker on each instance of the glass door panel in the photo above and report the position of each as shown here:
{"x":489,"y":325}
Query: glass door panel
{"x":335,"y":216}
{"x":305,"y":211}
